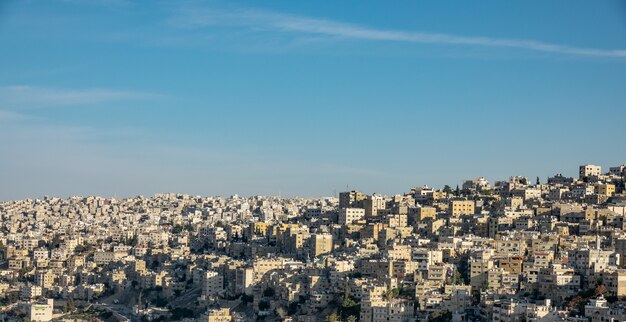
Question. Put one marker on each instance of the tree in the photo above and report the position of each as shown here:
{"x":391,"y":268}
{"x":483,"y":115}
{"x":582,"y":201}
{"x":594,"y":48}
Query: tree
{"x":333,"y":317}
{"x":352,"y":318}
{"x":392,"y":293}
{"x":440,"y":316}
{"x":600,"y":290}
{"x":458,"y":278}
{"x":292,"y":309}
{"x":264,"y":305}
{"x":349,"y":307}
{"x":269,"y":292}
{"x":181,"y":313}
{"x":245,"y":298}
{"x":447,"y":189}
{"x":538,"y":182}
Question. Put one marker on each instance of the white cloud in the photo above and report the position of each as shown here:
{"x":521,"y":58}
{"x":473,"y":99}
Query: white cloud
{"x":264,"y":21}
{"x":29,"y":96}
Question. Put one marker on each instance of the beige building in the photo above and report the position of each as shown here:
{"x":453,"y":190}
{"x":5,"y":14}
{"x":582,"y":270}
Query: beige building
{"x":262,"y":266}
{"x":244,"y":278}
{"x":589,"y":170}
{"x":479,"y":269}
{"x":351,"y":199}
{"x":396,"y":220}
{"x":605,"y":189}
{"x":347,"y":216}
{"x":510,"y":247}
{"x":557,"y":282}
{"x":461,"y":207}
{"x":616,"y":282}
{"x":41,"y":312}
{"x":44,"y":279}
{"x":218,"y":315}
{"x":424,"y":213}
{"x":394,"y":310}
{"x":373,"y":204}
{"x":322,"y":244}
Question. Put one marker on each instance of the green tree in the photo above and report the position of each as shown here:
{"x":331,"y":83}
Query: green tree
{"x":333,"y":317}
{"x":264,"y":305}
{"x":269,"y":292}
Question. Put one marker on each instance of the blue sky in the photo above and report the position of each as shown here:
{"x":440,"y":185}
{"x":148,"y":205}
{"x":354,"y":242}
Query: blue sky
{"x":120,"y":97}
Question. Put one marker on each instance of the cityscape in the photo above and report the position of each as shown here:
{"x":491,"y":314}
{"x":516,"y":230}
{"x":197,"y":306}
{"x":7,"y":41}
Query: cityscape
{"x":312,"y":161}
{"x":516,"y":250}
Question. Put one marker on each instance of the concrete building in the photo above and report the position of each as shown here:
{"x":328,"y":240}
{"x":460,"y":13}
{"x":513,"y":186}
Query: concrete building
{"x":394,"y":310}
{"x":589,"y":170}
{"x":218,"y":315}
{"x":373,"y":204}
{"x":244,"y":279}
{"x":322,"y":244}
{"x":41,"y":312}
{"x":461,"y":207}
{"x":347,"y":216}
{"x":351,"y":199}
{"x":213,"y":284}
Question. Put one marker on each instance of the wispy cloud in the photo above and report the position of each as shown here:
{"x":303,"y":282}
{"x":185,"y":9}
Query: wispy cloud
{"x":108,"y":3}
{"x":258,"y":20}
{"x":30,"y":96}
{"x":8,"y":116}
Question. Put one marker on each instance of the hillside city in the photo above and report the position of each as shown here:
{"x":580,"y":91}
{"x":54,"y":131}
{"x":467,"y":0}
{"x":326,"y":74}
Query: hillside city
{"x":521,"y":249}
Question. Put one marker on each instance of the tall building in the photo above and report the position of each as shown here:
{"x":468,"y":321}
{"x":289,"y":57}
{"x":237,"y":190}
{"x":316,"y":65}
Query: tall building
{"x":372,"y":204}
{"x":351,"y":199}
{"x":322,"y":244}
{"x":213,"y":284}
{"x":244,"y":278}
{"x":589,"y":170}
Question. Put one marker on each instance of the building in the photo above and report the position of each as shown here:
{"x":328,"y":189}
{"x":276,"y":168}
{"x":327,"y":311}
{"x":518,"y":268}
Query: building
{"x":605,"y":189}
{"x":615,"y":282}
{"x":347,"y":216}
{"x":383,"y":310}
{"x":351,"y":199}
{"x":244,"y":278}
{"x":373,"y":204}
{"x":322,"y":244}
{"x":41,"y":312}
{"x":213,"y":284}
{"x":217,"y":315}
{"x":461,"y":207}
{"x":589,"y":170}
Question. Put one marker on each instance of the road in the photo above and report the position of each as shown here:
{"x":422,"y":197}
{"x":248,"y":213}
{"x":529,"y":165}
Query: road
{"x":121,"y":312}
